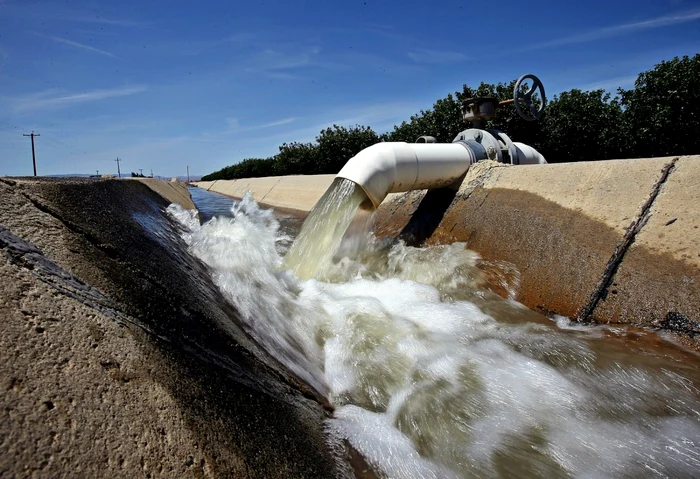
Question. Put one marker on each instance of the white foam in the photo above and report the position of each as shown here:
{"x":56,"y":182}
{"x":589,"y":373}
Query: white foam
{"x":383,"y":446}
{"x":428,"y":385}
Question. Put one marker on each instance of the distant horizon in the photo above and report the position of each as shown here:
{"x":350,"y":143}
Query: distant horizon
{"x":103,"y":175}
{"x":164,"y":88}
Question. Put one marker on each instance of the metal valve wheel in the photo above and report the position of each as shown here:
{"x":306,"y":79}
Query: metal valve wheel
{"x":524,"y":102}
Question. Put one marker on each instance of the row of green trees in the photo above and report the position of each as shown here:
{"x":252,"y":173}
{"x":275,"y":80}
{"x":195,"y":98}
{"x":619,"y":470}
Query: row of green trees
{"x":659,"y":116}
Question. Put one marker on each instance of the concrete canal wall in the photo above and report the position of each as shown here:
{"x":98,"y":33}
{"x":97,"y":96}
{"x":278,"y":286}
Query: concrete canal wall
{"x":173,"y":191}
{"x":614,"y":241}
{"x":120,"y":358}
{"x":299,"y":193}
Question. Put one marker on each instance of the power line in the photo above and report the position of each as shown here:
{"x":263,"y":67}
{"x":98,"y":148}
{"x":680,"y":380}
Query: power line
{"x":60,"y":143}
{"x":8,"y":127}
{"x":119,"y":171}
{"x":32,"y":135}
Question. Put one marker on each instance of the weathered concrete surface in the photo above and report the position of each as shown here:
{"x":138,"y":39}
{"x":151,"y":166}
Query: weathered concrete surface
{"x":173,"y":191}
{"x":659,"y":277}
{"x":589,"y":239}
{"x":299,"y":193}
{"x":80,"y":396}
{"x":119,"y":358}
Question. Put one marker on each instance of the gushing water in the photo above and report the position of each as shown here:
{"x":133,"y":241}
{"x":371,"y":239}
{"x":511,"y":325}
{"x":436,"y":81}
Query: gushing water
{"x":312,"y":253}
{"x":434,"y":375}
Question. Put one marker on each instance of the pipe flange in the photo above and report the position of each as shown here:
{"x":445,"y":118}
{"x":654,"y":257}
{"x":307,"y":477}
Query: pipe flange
{"x":512,"y":150}
{"x":478,"y":150}
{"x":486,"y":139}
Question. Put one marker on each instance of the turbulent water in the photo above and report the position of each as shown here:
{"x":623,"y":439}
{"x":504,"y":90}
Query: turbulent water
{"x":434,"y":375}
{"x":311,"y":255}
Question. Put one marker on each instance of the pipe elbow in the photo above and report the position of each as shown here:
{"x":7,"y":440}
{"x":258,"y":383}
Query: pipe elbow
{"x":393,"y":167}
{"x":527,"y":155}
{"x":375,"y":170}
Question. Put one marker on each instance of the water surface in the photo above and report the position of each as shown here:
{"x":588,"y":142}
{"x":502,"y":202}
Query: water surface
{"x":434,"y":375}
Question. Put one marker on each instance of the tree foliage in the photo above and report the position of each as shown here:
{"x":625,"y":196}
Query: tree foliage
{"x":338,"y":144}
{"x":659,"y":116}
{"x":662,"y":112}
{"x":582,"y":125}
{"x":294,"y":159}
{"x":443,"y":122}
{"x":334,"y":146}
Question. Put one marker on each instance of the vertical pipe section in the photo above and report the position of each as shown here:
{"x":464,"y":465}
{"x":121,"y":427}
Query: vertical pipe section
{"x":393,"y":167}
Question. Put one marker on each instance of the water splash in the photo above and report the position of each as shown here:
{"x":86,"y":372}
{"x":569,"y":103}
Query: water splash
{"x":311,"y":255}
{"x":244,"y":254}
{"x":434,"y":375}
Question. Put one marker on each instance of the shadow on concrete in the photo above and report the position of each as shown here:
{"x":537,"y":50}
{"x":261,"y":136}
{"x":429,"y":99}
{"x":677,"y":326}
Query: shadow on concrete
{"x":561,"y":254}
{"x":427,"y":216}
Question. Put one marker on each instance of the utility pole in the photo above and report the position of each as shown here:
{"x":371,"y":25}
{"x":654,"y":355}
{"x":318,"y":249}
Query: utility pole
{"x":151,"y":172}
{"x":119,"y":171}
{"x":188,"y":173}
{"x":141,"y":170}
{"x":98,"y":172}
{"x":32,"y":135}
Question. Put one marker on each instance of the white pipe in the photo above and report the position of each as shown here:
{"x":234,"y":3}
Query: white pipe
{"x":527,"y":155}
{"x":395,"y":167}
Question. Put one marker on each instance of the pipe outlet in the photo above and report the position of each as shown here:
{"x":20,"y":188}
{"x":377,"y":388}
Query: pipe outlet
{"x":394,"y":167}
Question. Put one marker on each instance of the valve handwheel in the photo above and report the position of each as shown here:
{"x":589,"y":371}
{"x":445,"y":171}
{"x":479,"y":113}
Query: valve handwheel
{"x":525,"y":99}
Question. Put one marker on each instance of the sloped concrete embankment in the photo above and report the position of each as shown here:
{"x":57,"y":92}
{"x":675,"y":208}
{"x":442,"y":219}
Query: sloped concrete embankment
{"x":173,"y":191}
{"x":614,"y":241}
{"x":297,"y":193}
{"x":119,"y":358}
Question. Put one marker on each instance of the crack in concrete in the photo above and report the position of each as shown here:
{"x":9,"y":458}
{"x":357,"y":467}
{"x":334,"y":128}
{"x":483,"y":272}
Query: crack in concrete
{"x":270,"y":190}
{"x":585,"y":314}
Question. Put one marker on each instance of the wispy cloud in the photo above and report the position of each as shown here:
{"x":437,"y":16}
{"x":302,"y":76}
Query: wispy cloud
{"x":621,"y":29}
{"x":424,"y":55}
{"x":245,"y":39}
{"x":108,"y":21}
{"x":41,"y":101}
{"x":382,"y":117}
{"x":79,"y":45}
{"x":611,"y":84}
{"x":273,"y":60}
{"x":234,"y":124}
{"x":284,"y":121}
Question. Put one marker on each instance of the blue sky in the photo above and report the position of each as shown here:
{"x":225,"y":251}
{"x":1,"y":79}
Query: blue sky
{"x":166,"y":84}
